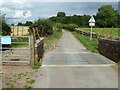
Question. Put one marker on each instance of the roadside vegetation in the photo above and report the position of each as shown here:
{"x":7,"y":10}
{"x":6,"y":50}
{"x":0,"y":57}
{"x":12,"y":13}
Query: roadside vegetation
{"x":51,"y":40}
{"x":90,"y":45}
{"x":44,"y":27}
{"x":49,"y":30}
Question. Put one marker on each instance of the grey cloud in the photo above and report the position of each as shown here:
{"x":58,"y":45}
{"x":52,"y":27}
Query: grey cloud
{"x":48,"y":9}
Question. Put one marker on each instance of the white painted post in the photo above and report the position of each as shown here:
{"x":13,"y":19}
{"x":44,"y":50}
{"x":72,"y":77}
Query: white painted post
{"x":91,"y":23}
{"x":91,"y":34}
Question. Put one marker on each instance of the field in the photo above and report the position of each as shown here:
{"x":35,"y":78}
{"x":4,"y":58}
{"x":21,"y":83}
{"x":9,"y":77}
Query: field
{"x":19,"y":30}
{"x":104,"y":31}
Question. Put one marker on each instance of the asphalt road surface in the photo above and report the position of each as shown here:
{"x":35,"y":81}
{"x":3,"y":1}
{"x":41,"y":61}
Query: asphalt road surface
{"x":71,"y":65}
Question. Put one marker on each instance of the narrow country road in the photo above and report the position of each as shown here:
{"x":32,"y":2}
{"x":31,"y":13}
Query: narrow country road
{"x":70,"y":65}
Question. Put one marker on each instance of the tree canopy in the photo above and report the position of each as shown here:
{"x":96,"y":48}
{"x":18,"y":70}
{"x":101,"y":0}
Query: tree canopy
{"x":44,"y":26}
{"x":106,"y":16}
{"x":80,"y":20}
{"x":61,"y":14}
{"x":28,"y":23}
{"x":6,"y":30}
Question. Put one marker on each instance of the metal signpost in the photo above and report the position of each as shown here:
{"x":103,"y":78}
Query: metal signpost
{"x":91,"y":23}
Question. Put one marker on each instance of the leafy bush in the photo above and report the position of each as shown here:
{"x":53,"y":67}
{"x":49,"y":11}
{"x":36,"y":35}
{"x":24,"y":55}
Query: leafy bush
{"x":61,"y":14}
{"x":70,"y":27}
{"x":6,"y":30}
{"x":58,"y":27}
{"x":90,"y":45}
{"x":45,"y":27}
{"x":37,"y":65}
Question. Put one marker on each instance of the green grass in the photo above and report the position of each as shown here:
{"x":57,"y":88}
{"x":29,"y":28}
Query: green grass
{"x":51,"y":40}
{"x":90,"y":45}
{"x":37,"y":65}
{"x":104,"y":31}
{"x":31,"y":81}
{"x":55,"y":35}
{"x":19,"y":40}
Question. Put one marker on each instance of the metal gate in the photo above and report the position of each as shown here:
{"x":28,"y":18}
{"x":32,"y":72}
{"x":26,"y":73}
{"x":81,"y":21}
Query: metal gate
{"x":19,"y":51}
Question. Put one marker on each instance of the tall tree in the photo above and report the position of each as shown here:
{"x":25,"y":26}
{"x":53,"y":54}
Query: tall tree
{"x":61,"y":14}
{"x":106,"y":16}
{"x":28,"y":23}
{"x":19,"y":24}
{"x":6,"y":30}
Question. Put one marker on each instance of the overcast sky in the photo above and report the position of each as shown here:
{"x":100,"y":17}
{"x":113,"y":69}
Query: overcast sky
{"x":22,"y":11}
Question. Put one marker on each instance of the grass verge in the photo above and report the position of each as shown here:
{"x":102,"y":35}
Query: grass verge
{"x":37,"y":65}
{"x":51,"y":40}
{"x":90,"y":45}
{"x":50,"y":43}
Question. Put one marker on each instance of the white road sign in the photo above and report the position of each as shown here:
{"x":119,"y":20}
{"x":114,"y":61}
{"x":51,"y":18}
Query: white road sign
{"x":92,"y":21}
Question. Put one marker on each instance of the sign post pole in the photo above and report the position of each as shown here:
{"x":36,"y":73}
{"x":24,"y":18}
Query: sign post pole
{"x":91,"y":34}
{"x":91,"y":24}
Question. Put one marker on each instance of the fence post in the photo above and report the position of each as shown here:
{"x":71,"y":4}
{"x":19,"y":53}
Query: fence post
{"x":32,"y":50}
{"x":13,"y":30}
{"x":17,"y":30}
{"x":22,"y":30}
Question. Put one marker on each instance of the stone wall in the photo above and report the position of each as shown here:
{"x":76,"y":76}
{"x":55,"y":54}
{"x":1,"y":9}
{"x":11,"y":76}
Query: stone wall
{"x":109,"y":48}
{"x":86,"y":33}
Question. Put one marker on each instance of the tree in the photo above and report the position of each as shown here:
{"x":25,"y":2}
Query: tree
{"x":70,"y":27}
{"x":80,"y":20}
{"x":12,"y":24}
{"x":61,"y":14}
{"x":6,"y":30}
{"x":19,"y":24}
{"x":28,"y":23}
{"x":106,"y":16}
{"x":45,"y":27}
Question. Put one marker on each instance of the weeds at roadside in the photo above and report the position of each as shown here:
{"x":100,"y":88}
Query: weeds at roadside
{"x":37,"y":65}
{"x":29,"y":84}
{"x":51,"y":40}
{"x":90,"y":45}
{"x":16,"y":79}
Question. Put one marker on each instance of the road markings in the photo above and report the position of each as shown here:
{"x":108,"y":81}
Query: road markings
{"x":70,"y":53}
{"x":84,"y":65}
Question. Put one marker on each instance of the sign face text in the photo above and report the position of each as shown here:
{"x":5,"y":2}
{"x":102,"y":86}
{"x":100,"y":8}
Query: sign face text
{"x":5,"y":40}
{"x":91,"y":24}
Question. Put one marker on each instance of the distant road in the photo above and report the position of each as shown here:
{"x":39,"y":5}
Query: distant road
{"x":71,"y":65}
